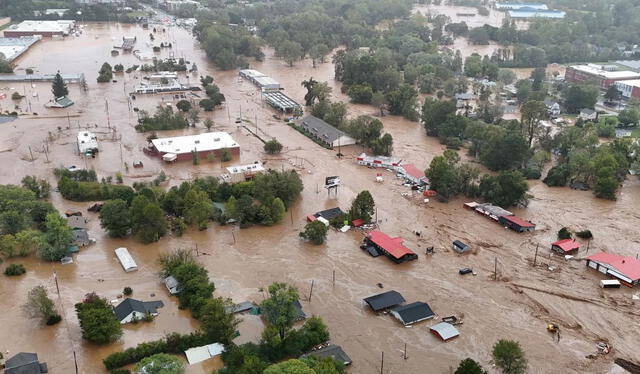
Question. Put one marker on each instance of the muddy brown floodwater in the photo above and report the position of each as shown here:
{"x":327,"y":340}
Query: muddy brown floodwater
{"x":517,"y":306}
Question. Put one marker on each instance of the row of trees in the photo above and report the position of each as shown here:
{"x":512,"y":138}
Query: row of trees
{"x":20,"y":10}
{"x":263,"y":200}
{"x":29,"y":225}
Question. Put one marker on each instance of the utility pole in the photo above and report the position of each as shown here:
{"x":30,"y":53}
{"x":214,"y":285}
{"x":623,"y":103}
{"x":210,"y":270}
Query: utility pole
{"x":405,"y":351}
{"x":106,"y":103}
{"x":495,"y":269}
{"x":334,"y":277}
{"x":311,"y":291}
{"x":31,"y":153}
{"x":382,"y":363}
{"x":75,"y":361}
{"x":55,"y":277}
{"x":536,"y":255}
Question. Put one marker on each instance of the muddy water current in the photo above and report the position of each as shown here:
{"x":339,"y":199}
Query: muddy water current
{"x":516,"y":306}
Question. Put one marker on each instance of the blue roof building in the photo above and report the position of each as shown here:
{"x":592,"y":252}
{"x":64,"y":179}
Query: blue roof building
{"x":505,"y":6}
{"x":523,"y":13}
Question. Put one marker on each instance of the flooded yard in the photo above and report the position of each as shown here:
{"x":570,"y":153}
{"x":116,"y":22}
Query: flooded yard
{"x":517,"y":305}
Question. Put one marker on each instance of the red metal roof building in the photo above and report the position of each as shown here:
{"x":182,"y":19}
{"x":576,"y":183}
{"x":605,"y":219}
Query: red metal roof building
{"x":413,"y":174}
{"x":626,"y":269}
{"x":566,"y":246}
{"x":516,"y":223}
{"x":391,"y":247}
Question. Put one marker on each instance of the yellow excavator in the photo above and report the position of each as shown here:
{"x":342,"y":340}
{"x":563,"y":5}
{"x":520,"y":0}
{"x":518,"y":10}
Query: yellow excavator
{"x":553,"y":327}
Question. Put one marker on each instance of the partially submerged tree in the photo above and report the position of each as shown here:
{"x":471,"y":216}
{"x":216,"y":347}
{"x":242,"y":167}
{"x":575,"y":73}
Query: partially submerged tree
{"x":315,"y":232}
{"x":97,"y":320}
{"x":509,"y":357}
{"x":40,"y":306}
{"x":58,"y":87}
{"x":279,"y":308}
{"x":272,"y":147}
{"x":362,"y":207}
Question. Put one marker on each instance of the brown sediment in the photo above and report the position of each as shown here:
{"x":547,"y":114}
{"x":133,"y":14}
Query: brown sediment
{"x":262,"y":255}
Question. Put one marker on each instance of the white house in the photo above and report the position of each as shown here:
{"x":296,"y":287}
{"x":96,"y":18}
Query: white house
{"x":131,"y":309}
{"x":588,"y":114}
{"x":87,"y":142}
{"x":325,"y":133}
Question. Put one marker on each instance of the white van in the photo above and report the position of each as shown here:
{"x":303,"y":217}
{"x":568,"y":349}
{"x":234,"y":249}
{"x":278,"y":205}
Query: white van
{"x":610,"y":283}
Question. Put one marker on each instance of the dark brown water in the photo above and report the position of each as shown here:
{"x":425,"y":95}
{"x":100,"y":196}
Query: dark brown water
{"x":516,"y":307}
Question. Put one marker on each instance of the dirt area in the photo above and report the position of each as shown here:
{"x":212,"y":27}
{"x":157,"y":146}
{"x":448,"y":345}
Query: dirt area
{"x":517,"y":306}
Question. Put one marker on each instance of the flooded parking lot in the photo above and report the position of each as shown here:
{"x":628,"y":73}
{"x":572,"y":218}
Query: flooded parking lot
{"x":516,"y":306}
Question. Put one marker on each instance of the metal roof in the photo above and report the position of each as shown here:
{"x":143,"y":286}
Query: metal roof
{"x":280,"y":101}
{"x":208,"y":141}
{"x":333,"y":351}
{"x":321,"y":129}
{"x":445,"y":330}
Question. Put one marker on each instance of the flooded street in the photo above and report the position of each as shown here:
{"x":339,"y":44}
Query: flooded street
{"x":516,"y":306}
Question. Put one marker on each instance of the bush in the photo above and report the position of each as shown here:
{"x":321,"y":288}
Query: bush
{"x":557,"y":176}
{"x":453,"y":143}
{"x":564,"y":233}
{"x":16,"y":96}
{"x":207,"y":105}
{"x":52,"y":320}
{"x":120,"y":371}
{"x":128,"y":291}
{"x":272,"y":147}
{"x":584,"y":234}
{"x":315,"y":232}
{"x":183,"y":105}
{"x":531,"y":173}
{"x":225,"y":156}
{"x":14,"y":270}
{"x":509,"y":357}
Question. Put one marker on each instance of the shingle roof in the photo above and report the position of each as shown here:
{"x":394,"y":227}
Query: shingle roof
{"x":25,"y":363}
{"x":333,"y":351}
{"x":412,"y":313}
{"x":132,"y":305}
{"x":321,"y":129}
{"x":384,"y":300}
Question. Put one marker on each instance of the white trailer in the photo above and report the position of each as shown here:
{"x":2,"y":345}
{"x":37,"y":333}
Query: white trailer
{"x":127,"y":262}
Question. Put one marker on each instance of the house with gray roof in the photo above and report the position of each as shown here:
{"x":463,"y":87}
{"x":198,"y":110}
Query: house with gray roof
{"x":132,"y":309}
{"x":25,"y":363}
{"x":324,"y":132}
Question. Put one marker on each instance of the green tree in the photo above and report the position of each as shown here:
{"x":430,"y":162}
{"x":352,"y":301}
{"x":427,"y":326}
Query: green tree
{"x":315,"y":232}
{"x":292,"y":366}
{"x":97,"y":320}
{"x":207,"y":105}
{"x":279,"y":308}
{"x":58,"y":237}
{"x":434,"y":112}
{"x":39,"y":306}
{"x":226,"y":156}
{"x":578,"y":97}
{"x":183,"y":105}
{"x":532,"y":113}
{"x":58,"y":87}
{"x":318,"y":53}
{"x":147,"y":219}
{"x":198,"y":208}
{"x":379,"y":101}
{"x":208,"y":123}
{"x":629,"y":116}
{"x":363,"y":207}
{"x":40,"y":187}
{"x":272,"y":147}
{"x":277,"y":210}
{"x":291,"y":51}
{"x":443,"y":176}
{"x":508,"y":188}
{"x":217,"y":324}
{"x":469,"y":366}
{"x":509,"y":357}
{"x":160,"y":363}
{"x":115,"y":218}
{"x":310,"y":96}
{"x":613,"y":93}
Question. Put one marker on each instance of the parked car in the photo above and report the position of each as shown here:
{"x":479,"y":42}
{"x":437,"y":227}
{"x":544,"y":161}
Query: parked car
{"x":464,"y":271}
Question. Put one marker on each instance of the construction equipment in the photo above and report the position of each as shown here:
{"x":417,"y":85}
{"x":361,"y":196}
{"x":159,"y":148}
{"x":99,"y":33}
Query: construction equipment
{"x":553,"y":327}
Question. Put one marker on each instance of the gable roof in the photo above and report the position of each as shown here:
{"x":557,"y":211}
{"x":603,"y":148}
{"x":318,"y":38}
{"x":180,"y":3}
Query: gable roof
{"x":413,"y":171}
{"x":80,"y":236}
{"x":321,"y":129}
{"x":77,"y":222}
{"x":333,"y":351}
{"x":628,"y":266}
{"x":25,"y":363}
{"x":127,"y":306}
{"x":393,"y":246}
{"x":384,"y":300}
{"x":412,"y":313}
{"x":518,"y":221}
{"x":445,"y":330}
{"x":172,"y":284}
{"x":566,"y":245}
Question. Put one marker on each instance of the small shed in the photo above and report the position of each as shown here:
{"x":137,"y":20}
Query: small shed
{"x":460,"y":247}
{"x":126,"y":260}
{"x":566,"y":247}
{"x":202,"y":353}
{"x":444,"y":331}
{"x":412,"y":313}
{"x":384,"y":300}
{"x":81,"y":237}
{"x":242,"y":307}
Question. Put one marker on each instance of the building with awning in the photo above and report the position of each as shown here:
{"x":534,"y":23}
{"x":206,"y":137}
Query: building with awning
{"x":391,"y":247}
{"x":626,"y":269}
